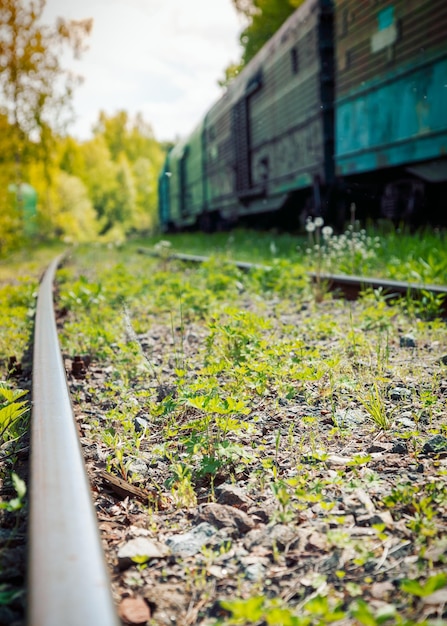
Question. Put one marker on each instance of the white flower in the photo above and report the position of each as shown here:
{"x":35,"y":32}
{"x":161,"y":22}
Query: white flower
{"x":327,"y":231}
{"x":310,"y":226}
{"x":319,"y":221}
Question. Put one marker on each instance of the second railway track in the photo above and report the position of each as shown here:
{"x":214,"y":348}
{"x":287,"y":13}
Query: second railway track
{"x":348,"y":286}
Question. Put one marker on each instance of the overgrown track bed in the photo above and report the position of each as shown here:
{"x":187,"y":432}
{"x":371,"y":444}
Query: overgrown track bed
{"x":260,"y":452}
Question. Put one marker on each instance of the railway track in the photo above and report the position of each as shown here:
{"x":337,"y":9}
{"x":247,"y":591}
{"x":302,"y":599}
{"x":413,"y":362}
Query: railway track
{"x":349,"y":286}
{"x":68,"y":580}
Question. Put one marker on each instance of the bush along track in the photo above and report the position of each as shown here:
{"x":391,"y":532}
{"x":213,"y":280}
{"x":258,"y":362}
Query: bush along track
{"x":16,"y":320}
{"x":259,"y":455}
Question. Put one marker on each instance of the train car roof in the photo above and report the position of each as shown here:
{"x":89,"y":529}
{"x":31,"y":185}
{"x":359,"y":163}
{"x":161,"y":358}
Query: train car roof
{"x":238,"y":86}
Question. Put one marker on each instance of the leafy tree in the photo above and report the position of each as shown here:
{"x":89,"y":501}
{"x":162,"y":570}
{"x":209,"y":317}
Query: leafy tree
{"x":131,"y":142}
{"x":263,"y":17}
{"x":70,"y":156}
{"x":100,"y":179}
{"x":124,"y":201}
{"x":76,"y":217}
{"x":132,"y":136}
{"x":9,"y":219}
{"x":145,"y":175}
{"x":35,"y":91}
{"x":231,"y":71}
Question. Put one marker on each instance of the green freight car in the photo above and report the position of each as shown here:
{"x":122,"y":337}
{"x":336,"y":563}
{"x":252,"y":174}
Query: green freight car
{"x":268,"y":142}
{"x":23,"y":198}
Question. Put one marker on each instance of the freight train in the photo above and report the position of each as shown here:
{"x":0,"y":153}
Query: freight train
{"x":345,"y":106}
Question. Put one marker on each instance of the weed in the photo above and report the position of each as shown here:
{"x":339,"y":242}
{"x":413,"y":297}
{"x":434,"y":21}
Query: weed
{"x":181,"y":486}
{"x":16,"y":503}
{"x":11,"y":410}
{"x":374,"y":404}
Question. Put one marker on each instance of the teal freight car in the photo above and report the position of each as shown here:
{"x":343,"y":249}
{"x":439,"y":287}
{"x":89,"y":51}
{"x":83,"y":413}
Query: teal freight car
{"x":391,"y":101}
{"x":185,"y":176}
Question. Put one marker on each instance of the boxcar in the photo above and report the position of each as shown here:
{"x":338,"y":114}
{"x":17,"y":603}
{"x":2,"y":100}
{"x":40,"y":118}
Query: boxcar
{"x":181,"y":184}
{"x":269,"y":140}
{"x":391,"y":100}
{"x":271,"y":136}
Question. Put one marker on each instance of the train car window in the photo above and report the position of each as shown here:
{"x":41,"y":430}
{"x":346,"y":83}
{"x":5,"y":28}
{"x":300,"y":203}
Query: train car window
{"x":294,"y":60}
{"x":254,"y":83}
{"x":310,"y":45}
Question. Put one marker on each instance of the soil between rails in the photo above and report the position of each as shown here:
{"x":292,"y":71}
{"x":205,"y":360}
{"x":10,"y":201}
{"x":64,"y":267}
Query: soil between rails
{"x":297,"y":502}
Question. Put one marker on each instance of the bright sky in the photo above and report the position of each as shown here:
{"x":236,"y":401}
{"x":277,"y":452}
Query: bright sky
{"x":160,"y":57}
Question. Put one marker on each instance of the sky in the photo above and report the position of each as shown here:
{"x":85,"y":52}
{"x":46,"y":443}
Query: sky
{"x":162,"y":58}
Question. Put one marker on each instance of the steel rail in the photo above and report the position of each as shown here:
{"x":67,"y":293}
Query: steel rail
{"x":350,"y":286}
{"x":67,"y":574}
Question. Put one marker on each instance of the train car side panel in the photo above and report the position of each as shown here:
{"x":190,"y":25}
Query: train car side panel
{"x":164,"y":195}
{"x":268,"y":136}
{"x":286,"y":114}
{"x":391,"y":100}
{"x":182,"y":185}
{"x":402,"y":121}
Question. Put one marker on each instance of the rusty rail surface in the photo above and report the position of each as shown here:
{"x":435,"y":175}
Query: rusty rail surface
{"x":349,"y":286}
{"x":67,"y":574}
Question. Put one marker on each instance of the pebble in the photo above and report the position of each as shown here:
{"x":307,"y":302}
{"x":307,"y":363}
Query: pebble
{"x":138,"y":468}
{"x":255,"y":572}
{"x":400,"y":393}
{"x":406,"y":422}
{"x":134,"y":610}
{"x":140,"y":424}
{"x":435,"y":445}
{"x":139,"y":546}
{"x":222,"y":515}
{"x":233,"y":496}
{"x":348,"y":417}
{"x":407,"y":341}
{"x":399,"y":448}
{"x":192,"y":542}
{"x":279,"y":534}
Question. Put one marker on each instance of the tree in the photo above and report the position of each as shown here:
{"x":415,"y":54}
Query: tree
{"x":263,"y":17}
{"x":100,"y":179}
{"x":34,"y":88}
{"x":131,"y":142}
{"x":76,"y":218}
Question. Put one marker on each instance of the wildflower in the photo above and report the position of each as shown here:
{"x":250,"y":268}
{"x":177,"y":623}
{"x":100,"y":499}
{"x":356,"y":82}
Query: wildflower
{"x":319,"y":221}
{"x":326,"y":231}
{"x":162,"y":245}
{"x":310,"y":226}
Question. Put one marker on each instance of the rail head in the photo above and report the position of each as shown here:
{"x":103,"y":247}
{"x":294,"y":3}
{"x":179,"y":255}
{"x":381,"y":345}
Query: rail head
{"x":67,"y":574}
